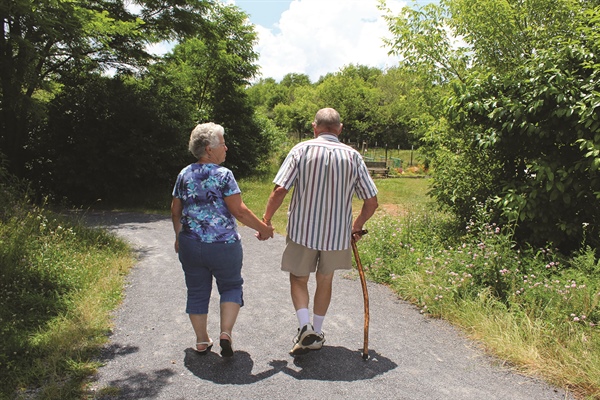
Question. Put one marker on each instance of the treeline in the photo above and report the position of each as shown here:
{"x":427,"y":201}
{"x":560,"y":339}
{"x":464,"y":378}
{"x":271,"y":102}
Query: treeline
{"x":501,"y":97}
{"x":379,"y":107}
{"x":520,"y":127}
{"x":88,"y":114}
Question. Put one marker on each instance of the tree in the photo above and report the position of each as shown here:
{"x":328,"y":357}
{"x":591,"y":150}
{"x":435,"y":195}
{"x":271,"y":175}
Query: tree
{"x":265,"y":95}
{"x":523,"y":114}
{"x":541,"y":124}
{"x":297,"y":111}
{"x":45,"y":40}
{"x":120,"y":140}
{"x":214,"y":73}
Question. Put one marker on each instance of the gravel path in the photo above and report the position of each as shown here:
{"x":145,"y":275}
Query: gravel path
{"x":412,"y":357}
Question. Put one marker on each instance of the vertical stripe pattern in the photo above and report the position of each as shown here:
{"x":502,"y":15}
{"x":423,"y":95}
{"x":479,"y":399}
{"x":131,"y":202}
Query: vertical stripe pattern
{"x":325,"y":175}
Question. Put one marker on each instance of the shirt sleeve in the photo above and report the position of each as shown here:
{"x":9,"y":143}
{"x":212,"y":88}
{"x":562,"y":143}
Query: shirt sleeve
{"x":178,"y":188}
{"x":288,"y":171}
{"x":230,"y":185}
{"x":365,"y":186}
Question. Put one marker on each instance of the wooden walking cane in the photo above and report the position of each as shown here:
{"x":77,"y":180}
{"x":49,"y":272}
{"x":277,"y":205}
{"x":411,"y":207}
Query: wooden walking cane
{"x":363,"y":282}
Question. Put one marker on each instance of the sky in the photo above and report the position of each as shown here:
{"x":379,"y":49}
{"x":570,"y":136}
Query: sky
{"x":315,"y":37}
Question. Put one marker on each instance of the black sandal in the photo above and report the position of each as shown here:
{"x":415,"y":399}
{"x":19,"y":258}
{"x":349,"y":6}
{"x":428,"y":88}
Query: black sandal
{"x":226,"y":350}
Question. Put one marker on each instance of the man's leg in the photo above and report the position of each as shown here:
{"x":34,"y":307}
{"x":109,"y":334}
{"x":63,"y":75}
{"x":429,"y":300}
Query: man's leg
{"x":299,"y":291}
{"x":300,"y":298}
{"x":323,"y":293}
{"x":321,"y":304}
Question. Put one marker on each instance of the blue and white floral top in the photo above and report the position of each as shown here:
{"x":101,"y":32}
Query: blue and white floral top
{"x":202,"y":189}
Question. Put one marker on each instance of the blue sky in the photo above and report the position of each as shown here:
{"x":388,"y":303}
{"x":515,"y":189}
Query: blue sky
{"x":264,"y":12}
{"x":315,"y":37}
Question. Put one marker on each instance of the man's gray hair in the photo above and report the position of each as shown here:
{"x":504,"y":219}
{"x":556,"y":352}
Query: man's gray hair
{"x":203,"y":135}
{"x":327,"y":117}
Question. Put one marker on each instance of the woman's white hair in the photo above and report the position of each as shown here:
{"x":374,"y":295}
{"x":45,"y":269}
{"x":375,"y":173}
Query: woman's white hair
{"x":203,"y":135}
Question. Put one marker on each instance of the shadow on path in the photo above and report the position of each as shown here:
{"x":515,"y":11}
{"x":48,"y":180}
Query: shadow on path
{"x":236,"y":370}
{"x":138,"y":385}
{"x":334,"y":363}
{"x":329,"y":364}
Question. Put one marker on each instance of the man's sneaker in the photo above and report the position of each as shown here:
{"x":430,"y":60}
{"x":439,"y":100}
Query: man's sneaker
{"x":305,"y":337}
{"x":317,"y":344}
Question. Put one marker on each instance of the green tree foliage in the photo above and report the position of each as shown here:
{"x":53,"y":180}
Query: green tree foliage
{"x":113,"y":140}
{"x":265,"y":95}
{"x":524,"y":132}
{"x":352,"y":92}
{"x":213,"y":73}
{"x":376,"y":106}
{"x":541,"y":125}
{"x":97,"y":137}
{"x":296,"y":112}
{"x":45,"y":40}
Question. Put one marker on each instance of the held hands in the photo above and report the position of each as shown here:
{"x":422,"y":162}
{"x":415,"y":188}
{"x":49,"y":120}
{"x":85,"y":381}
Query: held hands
{"x":267,"y":233}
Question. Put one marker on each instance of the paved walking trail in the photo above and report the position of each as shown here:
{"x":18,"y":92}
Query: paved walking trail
{"x":412,"y":357}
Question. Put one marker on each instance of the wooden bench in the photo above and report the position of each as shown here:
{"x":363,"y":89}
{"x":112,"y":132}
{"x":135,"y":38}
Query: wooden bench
{"x":377,"y":168}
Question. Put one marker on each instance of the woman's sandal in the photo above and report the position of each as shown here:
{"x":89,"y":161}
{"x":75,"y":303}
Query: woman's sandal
{"x":226,"y":350}
{"x":208,"y":345}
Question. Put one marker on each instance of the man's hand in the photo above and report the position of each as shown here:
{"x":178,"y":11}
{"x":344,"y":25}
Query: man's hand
{"x":264,"y":236}
{"x":358,"y":234}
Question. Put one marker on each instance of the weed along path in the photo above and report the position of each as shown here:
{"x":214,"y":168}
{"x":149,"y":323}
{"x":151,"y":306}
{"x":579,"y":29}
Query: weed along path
{"x":412,"y":357}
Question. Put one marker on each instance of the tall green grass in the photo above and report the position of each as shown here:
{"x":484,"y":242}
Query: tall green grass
{"x":58,"y":282}
{"x":531,"y":307}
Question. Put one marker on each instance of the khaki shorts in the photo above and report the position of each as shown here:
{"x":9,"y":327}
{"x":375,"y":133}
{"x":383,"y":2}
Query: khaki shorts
{"x":301,"y":261}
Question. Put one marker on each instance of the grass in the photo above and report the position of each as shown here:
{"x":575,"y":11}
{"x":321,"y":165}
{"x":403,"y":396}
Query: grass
{"x":59,"y":281}
{"x":533,"y":308}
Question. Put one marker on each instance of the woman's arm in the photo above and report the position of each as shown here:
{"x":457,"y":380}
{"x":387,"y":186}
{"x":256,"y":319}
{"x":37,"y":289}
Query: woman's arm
{"x":176,"y":212}
{"x":242,"y":213}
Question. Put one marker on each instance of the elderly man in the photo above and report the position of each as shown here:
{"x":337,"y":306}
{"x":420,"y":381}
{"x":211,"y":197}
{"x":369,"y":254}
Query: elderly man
{"x":325,"y":174}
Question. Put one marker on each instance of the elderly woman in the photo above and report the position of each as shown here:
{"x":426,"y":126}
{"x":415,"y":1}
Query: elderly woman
{"x":206,"y":203}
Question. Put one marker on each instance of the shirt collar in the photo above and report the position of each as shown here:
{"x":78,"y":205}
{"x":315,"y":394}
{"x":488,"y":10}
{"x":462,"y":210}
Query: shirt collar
{"x":329,"y":136}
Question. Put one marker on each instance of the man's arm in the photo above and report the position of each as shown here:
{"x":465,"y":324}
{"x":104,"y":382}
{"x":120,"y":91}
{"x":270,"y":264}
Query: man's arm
{"x":274,"y":202}
{"x":368,"y":209}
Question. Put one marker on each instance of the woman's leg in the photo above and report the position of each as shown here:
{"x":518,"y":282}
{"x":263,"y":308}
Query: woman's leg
{"x":199,"y":323}
{"x":229,"y":313}
{"x":198,"y":281}
{"x":227,"y":270}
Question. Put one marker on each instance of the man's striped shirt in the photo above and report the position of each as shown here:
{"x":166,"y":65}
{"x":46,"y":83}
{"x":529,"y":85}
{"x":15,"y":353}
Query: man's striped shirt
{"x":325,"y":175}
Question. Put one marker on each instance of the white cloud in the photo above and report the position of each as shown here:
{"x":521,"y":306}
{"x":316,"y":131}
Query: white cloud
{"x":315,"y":37}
